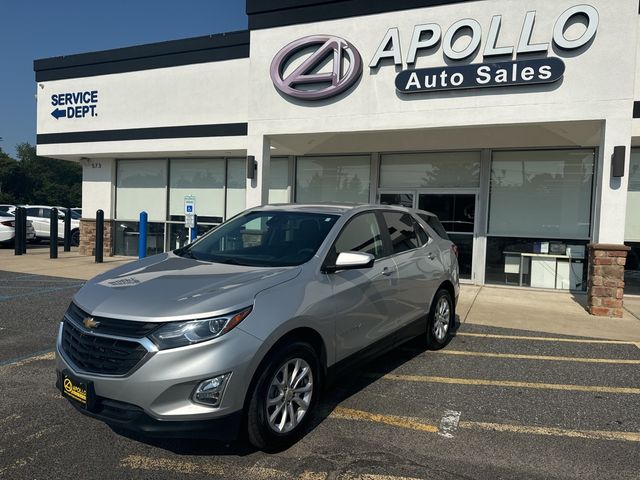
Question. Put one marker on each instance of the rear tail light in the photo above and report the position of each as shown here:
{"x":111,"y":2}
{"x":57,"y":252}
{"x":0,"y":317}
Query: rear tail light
{"x":9,"y":223}
{"x":454,"y":249}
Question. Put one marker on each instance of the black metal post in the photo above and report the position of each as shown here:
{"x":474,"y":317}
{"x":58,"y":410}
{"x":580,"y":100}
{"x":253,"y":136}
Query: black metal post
{"x":23,"y":229}
{"x":17,"y":244}
{"x":67,"y":230}
{"x":53,"y":233}
{"x":99,"y":235}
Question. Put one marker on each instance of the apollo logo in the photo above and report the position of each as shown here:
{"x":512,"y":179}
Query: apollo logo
{"x":307,"y":81}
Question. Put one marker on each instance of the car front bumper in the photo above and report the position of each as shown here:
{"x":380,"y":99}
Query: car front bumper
{"x":156,"y":398}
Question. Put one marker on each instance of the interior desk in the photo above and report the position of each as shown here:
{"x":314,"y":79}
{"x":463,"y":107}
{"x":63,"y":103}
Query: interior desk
{"x":543,"y":268}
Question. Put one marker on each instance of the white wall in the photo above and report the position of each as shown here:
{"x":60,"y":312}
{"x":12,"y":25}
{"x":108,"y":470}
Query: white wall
{"x":597,"y":83}
{"x":98,"y":187}
{"x":204,"y":93}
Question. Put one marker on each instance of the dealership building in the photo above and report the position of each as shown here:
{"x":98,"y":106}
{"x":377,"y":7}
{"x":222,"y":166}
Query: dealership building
{"x":515,"y":121}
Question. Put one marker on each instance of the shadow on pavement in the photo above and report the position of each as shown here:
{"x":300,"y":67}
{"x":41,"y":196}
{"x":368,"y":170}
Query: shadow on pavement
{"x":346,"y":385}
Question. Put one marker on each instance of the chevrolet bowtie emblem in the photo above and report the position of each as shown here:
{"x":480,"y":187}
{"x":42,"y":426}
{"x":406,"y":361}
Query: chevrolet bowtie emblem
{"x":90,"y":323}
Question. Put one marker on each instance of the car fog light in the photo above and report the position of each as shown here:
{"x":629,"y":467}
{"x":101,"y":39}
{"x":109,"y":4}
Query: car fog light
{"x":210,"y":391}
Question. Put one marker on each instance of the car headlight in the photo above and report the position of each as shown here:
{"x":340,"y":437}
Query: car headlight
{"x":179,"y":334}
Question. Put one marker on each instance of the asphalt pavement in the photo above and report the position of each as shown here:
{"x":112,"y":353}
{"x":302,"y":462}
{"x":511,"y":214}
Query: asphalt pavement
{"x":495,"y":403}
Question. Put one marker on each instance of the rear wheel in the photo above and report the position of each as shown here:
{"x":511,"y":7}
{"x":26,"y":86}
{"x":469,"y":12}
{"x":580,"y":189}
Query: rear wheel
{"x":441,"y":318}
{"x":284,"y":397}
{"x":75,"y":238}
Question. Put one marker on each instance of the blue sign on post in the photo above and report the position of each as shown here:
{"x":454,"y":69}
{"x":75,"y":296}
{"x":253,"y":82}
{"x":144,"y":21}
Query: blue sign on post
{"x":75,"y":105}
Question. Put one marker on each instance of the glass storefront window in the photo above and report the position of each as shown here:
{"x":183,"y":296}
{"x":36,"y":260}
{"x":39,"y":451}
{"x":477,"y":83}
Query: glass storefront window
{"x":632,"y":224}
{"x":333,"y":179}
{"x":433,"y":170}
{"x":127,"y":236}
{"x":632,"y":227}
{"x":141,"y":185}
{"x":279,"y":180}
{"x":555,"y":264}
{"x":544,"y":193}
{"x":205,"y":179}
{"x":236,"y":186}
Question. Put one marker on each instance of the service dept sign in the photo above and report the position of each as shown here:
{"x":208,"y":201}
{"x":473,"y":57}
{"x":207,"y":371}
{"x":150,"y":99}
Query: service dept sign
{"x":305,"y":83}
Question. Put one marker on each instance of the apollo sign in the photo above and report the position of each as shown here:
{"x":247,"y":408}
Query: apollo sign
{"x":304,"y":83}
{"x":321,"y":85}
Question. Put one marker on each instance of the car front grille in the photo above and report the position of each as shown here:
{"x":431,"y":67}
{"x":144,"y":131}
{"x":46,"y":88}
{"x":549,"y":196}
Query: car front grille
{"x":112,"y":326}
{"x":98,"y":354}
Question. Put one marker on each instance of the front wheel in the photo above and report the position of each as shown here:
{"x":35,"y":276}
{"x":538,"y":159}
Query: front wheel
{"x":441,"y":320}
{"x":284,"y":397}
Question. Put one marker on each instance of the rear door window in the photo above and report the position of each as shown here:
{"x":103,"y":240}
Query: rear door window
{"x":402,"y":232}
{"x":435,"y":224}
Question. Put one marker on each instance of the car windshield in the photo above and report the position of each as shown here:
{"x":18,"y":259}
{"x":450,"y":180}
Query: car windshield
{"x":263,"y":239}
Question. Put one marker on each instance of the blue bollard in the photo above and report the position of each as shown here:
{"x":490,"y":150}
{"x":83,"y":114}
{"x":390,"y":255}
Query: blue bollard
{"x":142,"y":241}
{"x":194,"y":230}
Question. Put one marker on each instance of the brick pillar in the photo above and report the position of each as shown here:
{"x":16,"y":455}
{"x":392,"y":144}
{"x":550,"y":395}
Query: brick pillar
{"x":88,"y":237}
{"x":605,"y":287}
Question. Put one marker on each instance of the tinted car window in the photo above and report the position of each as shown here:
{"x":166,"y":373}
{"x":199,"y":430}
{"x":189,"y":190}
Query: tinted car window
{"x":401,"y":231}
{"x":263,"y":239}
{"x":362,"y":234}
{"x":435,"y":224}
{"x":33,"y":212}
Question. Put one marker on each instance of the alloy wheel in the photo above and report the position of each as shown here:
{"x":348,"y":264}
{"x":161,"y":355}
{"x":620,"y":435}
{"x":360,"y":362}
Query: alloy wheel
{"x":442,"y":318}
{"x":289,"y":395}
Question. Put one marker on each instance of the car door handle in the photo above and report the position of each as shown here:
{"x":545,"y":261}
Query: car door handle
{"x":431,"y":256}
{"x":386,"y":271}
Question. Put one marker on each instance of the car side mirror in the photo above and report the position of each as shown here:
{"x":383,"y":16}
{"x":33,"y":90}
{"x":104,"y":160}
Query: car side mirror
{"x":351,"y":261}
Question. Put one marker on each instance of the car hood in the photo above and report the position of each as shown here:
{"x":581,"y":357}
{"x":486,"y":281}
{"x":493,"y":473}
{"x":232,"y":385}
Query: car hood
{"x":167,"y":287}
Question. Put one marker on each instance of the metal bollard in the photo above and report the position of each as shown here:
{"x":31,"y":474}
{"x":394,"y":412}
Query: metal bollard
{"x":142,"y":240}
{"x":99,"y":236}
{"x":194,"y":230}
{"x":23,"y":229}
{"x":67,"y":229}
{"x":53,"y":233}
{"x":17,"y":242}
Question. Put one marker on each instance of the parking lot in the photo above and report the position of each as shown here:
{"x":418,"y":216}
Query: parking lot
{"x":496,"y":403}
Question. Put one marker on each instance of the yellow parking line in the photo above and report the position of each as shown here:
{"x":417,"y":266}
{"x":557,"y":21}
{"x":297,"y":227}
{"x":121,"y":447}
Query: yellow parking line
{"x":505,"y":383}
{"x":256,"y":472}
{"x":616,"y":361}
{"x":554,"y":432}
{"x":414,"y":424}
{"x":545,"y":339}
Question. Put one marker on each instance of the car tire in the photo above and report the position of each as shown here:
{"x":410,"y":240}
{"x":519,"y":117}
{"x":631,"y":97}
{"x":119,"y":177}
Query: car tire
{"x":441,"y":320}
{"x":269,"y":427}
{"x":75,"y":238}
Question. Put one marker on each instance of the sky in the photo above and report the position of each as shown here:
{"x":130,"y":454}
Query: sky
{"x":35,"y":29}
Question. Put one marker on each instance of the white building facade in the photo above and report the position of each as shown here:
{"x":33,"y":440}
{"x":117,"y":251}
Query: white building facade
{"x":514,"y":121}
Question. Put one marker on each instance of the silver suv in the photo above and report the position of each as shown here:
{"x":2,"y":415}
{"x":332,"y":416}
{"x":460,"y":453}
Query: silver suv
{"x":240,"y":330}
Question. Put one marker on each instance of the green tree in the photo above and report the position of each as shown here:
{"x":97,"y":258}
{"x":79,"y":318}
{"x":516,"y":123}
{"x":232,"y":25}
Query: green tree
{"x":31,"y":179}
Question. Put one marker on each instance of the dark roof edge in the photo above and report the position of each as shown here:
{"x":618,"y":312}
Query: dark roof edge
{"x":278,"y":13}
{"x":215,"y":47}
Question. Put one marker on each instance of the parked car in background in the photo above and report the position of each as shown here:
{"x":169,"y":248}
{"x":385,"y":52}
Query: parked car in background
{"x":8,"y":228}
{"x":40,"y":215}
{"x":244,"y":326}
{"x":78,"y":210}
{"x":7,"y":208}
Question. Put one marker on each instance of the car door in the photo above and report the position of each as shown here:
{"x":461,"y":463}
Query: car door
{"x":363,"y":299}
{"x":35,"y":215}
{"x":418,"y":266}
